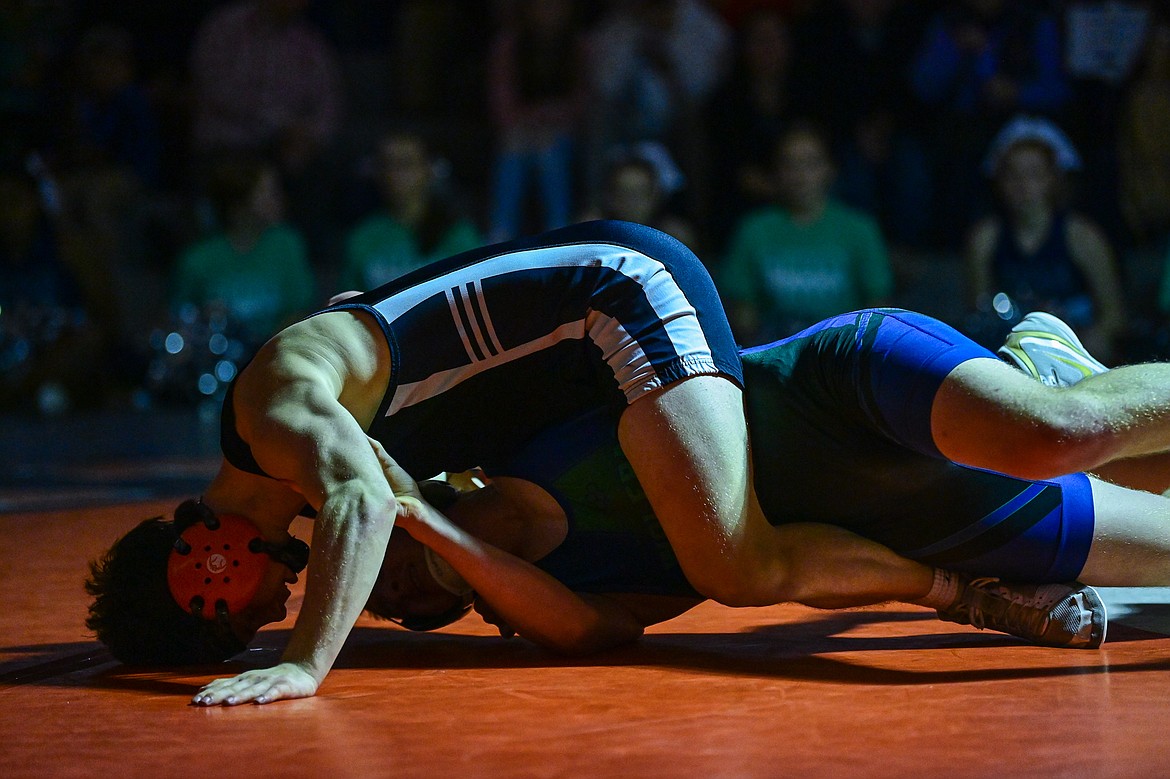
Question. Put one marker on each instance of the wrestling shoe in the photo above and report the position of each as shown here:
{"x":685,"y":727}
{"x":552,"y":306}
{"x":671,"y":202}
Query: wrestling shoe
{"x":1065,"y":615}
{"x":1047,"y":349}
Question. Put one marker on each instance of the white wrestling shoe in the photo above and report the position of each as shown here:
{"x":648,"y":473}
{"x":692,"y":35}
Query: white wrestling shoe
{"x":1065,"y":615}
{"x":1047,"y":349}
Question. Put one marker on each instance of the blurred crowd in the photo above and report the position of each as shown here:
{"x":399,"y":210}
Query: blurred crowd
{"x":179,"y":180}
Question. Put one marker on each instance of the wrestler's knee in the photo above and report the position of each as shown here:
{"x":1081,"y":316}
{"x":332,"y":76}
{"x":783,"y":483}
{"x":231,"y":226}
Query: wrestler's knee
{"x":742,"y":581}
{"x":737,"y":594}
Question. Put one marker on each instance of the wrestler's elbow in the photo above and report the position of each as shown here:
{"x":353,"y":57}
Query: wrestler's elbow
{"x":361,"y":507}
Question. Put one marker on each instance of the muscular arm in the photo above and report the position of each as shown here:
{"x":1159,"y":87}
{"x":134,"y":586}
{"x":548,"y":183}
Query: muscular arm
{"x":520,"y":595}
{"x":302,"y":435}
{"x":514,"y":594}
{"x":355,"y":514}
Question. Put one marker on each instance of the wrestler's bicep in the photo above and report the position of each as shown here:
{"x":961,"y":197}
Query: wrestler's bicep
{"x":306,"y":438}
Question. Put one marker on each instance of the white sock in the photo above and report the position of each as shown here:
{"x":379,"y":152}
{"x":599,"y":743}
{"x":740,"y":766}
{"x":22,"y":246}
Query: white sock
{"x":944,"y":591}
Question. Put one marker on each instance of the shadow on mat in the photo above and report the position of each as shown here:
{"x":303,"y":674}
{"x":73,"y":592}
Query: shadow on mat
{"x":793,"y":651}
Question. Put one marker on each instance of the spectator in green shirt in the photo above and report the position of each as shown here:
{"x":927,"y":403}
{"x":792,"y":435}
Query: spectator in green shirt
{"x":805,"y":257}
{"x":255,"y":266}
{"x":417,"y":225}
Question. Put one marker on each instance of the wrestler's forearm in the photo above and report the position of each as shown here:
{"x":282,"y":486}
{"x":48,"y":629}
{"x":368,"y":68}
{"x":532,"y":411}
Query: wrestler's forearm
{"x":533,"y":603}
{"x":349,"y":541}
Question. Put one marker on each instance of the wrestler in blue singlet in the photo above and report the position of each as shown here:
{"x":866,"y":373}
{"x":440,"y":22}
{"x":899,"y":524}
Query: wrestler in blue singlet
{"x":839,"y":418}
{"x":491,"y":346}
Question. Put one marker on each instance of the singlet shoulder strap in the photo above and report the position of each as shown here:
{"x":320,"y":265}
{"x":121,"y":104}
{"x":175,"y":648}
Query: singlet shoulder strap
{"x":235,"y":449}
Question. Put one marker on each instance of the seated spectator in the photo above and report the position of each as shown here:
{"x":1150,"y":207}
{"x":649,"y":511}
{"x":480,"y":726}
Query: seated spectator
{"x":52,"y":356}
{"x":1103,"y":45}
{"x":655,"y":65}
{"x":1145,"y":143}
{"x":1035,"y":250}
{"x":33,"y":40}
{"x":265,"y":80}
{"x":746,"y":114}
{"x":795,"y":262}
{"x":106,"y":161}
{"x":980,"y":63}
{"x":255,"y":268}
{"x":111,"y":122}
{"x":637,"y":189}
{"x":863,"y":97}
{"x":537,"y":85}
{"x":418,"y":223}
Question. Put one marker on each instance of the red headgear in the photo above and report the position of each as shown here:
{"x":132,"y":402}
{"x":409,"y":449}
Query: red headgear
{"x":212,"y":564}
{"x":218,"y":561}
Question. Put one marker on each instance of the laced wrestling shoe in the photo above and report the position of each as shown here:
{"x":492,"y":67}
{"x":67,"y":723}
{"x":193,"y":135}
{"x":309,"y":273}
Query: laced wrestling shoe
{"x":1065,"y":615}
{"x":1047,"y":349}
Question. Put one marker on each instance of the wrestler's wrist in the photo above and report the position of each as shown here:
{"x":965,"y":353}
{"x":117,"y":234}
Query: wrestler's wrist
{"x":318,"y":670}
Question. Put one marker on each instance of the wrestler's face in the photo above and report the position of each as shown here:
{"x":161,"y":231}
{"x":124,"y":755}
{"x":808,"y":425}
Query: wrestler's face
{"x":405,"y":587}
{"x":268,"y":604}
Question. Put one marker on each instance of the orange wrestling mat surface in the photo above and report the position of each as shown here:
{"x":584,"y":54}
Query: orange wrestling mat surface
{"x":782,"y":691}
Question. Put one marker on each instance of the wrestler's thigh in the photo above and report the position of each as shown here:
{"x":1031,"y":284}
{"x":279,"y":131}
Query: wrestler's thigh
{"x":1131,"y":538}
{"x":688,"y":445}
{"x":1150,"y":473}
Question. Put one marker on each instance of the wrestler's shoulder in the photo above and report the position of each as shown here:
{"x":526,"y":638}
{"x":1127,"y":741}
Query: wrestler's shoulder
{"x":346,"y":343}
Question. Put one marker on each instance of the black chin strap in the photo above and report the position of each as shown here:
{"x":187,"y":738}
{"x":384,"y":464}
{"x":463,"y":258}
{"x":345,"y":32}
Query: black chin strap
{"x":293,"y":553}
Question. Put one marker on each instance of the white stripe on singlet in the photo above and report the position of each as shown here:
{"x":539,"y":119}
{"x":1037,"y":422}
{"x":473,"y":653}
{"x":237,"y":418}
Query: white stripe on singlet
{"x":624,"y":355}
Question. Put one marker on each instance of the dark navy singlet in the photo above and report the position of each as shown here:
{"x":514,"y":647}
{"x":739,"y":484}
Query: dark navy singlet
{"x":492,"y":346}
{"x":614,"y":542}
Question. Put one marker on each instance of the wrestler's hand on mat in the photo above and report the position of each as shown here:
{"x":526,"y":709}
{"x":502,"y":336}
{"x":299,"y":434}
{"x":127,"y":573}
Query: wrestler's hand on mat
{"x":261,"y":685}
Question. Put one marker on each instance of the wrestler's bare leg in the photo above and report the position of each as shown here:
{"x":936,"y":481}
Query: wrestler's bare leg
{"x":989,"y":415}
{"x":1131,"y":538}
{"x":688,"y":445}
{"x":1150,"y":473}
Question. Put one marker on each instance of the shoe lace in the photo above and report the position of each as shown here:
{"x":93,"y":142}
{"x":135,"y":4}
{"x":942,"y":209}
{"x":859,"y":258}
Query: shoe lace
{"x":1019,"y":614}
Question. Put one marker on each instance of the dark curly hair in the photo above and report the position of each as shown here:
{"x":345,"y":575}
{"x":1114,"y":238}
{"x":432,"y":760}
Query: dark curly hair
{"x":134,"y":614}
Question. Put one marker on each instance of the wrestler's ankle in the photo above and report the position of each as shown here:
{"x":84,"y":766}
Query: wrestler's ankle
{"x":944,"y":590}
